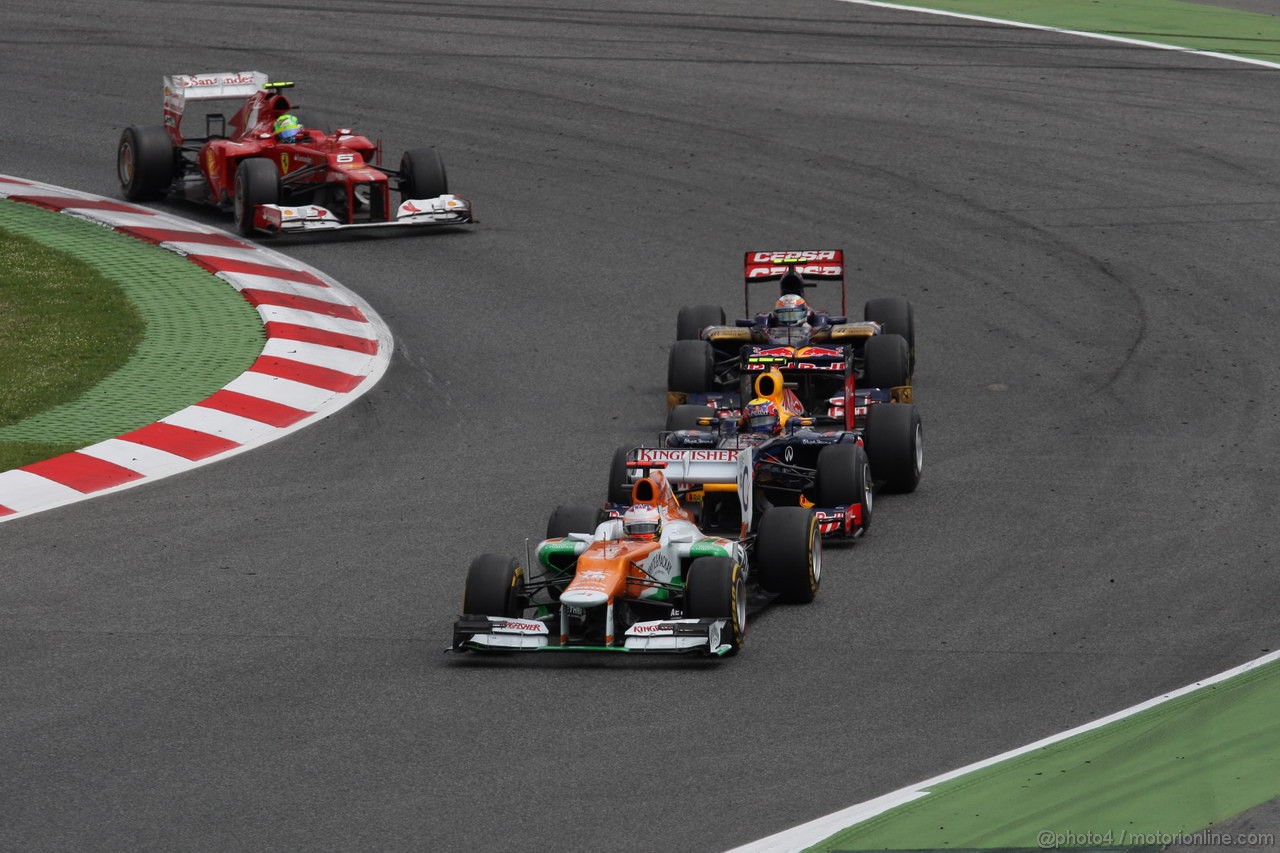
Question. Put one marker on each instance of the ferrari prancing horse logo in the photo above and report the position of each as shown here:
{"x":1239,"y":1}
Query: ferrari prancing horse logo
{"x":284,"y":161}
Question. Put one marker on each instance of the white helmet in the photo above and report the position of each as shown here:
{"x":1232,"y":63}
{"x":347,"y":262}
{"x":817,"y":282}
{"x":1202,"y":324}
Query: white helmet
{"x":642,"y":521}
{"x":791,"y":310}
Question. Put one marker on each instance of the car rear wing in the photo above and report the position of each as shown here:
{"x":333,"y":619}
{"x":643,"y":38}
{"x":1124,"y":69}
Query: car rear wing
{"x":212,"y":86}
{"x":700,"y":467}
{"x":794,"y":270}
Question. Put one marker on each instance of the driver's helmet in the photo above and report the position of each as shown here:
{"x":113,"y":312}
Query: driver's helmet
{"x":642,"y":521}
{"x":287,"y":127}
{"x":791,"y":309}
{"x":762,"y":417}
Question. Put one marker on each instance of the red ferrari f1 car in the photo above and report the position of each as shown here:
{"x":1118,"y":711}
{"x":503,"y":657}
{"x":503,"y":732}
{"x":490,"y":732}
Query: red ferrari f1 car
{"x":310,"y":179}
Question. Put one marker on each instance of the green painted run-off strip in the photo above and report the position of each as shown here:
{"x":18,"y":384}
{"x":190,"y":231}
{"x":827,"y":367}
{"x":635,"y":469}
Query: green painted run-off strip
{"x":200,"y":332}
{"x":1192,"y":25}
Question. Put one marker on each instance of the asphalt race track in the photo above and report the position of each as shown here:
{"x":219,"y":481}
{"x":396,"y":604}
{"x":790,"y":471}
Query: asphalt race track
{"x":249,"y":657}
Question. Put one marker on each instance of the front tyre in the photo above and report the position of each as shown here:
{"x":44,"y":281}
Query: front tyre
{"x":423,"y":175}
{"x":145,"y":162}
{"x":257,"y":182}
{"x":495,"y":587}
{"x":788,"y":553}
{"x":895,"y":317}
{"x":573,"y":519}
{"x":895,"y":445}
{"x":844,"y":479}
{"x":886,"y":362}
{"x":717,"y":589}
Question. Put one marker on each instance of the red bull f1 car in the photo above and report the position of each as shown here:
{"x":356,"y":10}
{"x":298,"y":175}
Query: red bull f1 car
{"x":301,"y":179}
{"x":608,"y":585}
{"x":833,"y":469}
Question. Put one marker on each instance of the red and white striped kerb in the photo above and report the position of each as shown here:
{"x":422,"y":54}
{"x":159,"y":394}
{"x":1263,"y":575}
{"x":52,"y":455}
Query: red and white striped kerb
{"x":325,"y":347}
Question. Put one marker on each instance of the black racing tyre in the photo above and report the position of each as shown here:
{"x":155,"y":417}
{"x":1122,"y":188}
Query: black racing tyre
{"x":257,"y":182}
{"x":495,"y":587}
{"x":844,"y":479}
{"x":686,"y":416}
{"x":715,"y":588}
{"x":424,"y":175}
{"x":694,"y":318}
{"x":690,"y":367}
{"x":895,"y":445}
{"x":573,"y":519}
{"x":145,"y":162}
{"x":788,"y":553}
{"x":886,"y":362}
{"x":895,"y":317}
{"x":619,"y":478}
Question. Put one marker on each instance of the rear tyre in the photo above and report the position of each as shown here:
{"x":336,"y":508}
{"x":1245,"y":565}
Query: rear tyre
{"x":424,"y":175}
{"x":694,"y":318}
{"x":495,"y":587}
{"x":257,"y":182}
{"x":844,"y":479}
{"x":690,"y":367}
{"x":715,"y":588}
{"x":886,"y":362}
{"x":145,"y":162}
{"x":573,"y":519}
{"x":686,"y":416}
{"x":895,"y":317}
{"x":895,"y":445}
{"x":619,"y":478}
{"x":788,"y":553}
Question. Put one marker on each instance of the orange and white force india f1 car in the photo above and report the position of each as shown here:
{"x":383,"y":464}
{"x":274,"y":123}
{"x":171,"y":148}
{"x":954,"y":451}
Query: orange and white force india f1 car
{"x":592,"y":587}
{"x":321,"y":180}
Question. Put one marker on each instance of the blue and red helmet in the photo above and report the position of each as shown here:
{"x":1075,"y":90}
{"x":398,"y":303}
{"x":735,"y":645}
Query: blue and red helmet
{"x":762,"y":416}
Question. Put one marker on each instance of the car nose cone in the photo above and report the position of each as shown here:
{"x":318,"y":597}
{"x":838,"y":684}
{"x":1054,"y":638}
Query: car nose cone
{"x":583,"y":597}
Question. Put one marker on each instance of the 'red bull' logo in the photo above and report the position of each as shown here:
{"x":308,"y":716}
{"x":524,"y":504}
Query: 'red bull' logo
{"x":820,"y":352}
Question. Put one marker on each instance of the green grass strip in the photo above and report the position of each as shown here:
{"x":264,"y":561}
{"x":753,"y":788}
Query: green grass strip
{"x":64,"y":327}
{"x":1190,"y":25}
{"x":1176,"y":768}
{"x":199,"y":335}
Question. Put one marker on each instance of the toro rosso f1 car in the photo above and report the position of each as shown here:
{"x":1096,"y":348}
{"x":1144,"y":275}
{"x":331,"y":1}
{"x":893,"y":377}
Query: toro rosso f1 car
{"x":832,"y":469}
{"x":596,"y":584}
{"x":710,"y":356}
{"x":317,"y":180}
